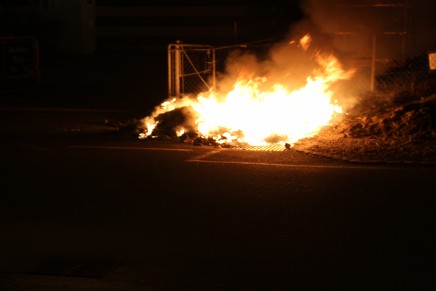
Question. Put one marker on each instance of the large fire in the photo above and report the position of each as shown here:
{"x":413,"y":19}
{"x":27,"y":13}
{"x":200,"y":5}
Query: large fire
{"x":255,"y":113}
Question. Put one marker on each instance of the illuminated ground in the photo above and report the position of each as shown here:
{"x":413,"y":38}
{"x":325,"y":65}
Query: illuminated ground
{"x":369,"y":150}
{"x":36,"y":122}
{"x":396,"y":134}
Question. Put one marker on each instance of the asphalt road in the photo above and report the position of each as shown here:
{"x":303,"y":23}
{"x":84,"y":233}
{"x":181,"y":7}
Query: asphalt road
{"x":108,"y":212}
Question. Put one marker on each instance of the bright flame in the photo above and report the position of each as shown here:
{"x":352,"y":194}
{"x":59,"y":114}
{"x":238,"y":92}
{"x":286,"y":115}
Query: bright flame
{"x":250,"y":114}
{"x":305,"y":42}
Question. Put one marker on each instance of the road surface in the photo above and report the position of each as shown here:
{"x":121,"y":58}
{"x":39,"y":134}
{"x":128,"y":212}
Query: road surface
{"x":109,"y":212}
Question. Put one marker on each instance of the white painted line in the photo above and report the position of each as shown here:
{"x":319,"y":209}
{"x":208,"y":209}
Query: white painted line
{"x":296,"y":165}
{"x":132,"y":148}
{"x":59,"y":109}
{"x":206,"y":155}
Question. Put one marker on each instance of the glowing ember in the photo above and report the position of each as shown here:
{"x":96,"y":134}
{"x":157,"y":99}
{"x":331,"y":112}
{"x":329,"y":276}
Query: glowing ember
{"x":305,"y":41}
{"x":257,"y":113}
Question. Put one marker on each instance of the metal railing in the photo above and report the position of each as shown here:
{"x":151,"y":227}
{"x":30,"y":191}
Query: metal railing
{"x":191,"y":69}
{"x":381,"y":69}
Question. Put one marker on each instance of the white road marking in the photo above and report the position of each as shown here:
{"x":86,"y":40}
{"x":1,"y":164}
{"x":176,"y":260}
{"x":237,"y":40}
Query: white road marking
{"x":200,"y":159}
{"x":206,"y":155}
{"x":59,"y":109}
{"x":133,"y":148}
{"x":381,"y":167}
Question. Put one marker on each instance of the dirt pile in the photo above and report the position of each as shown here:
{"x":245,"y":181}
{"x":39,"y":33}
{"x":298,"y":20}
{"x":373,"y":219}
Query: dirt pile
{"x":400,"y":134}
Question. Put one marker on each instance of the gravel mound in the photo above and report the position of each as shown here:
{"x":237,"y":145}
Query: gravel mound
{"x":396,"y":134}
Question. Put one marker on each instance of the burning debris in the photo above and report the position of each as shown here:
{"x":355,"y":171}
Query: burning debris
{"x":269,"y":103}
{"x":172,"y":124}
{"x":259,"y":108}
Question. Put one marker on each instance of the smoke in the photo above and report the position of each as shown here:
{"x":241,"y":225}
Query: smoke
{"x":346,"y":25}
{"x":287,"y":62}
{"x":347,"y":34}
{"x":351,"y":30}
{"x":354,"y":31}
{"x":422,"y":16}
{"x":390,"y":29}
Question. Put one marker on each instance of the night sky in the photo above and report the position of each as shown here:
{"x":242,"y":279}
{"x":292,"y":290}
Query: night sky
{"x":129,"y":21}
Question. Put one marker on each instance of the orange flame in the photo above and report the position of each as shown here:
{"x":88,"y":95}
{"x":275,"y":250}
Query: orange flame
{"x":305,"y":42}
{"x":249,"y":114}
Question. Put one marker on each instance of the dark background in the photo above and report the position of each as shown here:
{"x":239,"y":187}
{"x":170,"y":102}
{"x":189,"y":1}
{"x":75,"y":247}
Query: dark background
{"x":80,"y":204}
{"x":113,"y":54}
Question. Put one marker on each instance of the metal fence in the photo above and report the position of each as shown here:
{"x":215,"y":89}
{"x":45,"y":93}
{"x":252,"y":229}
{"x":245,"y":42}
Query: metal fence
{"x":391,"y":66}
{"x":191,"y":68}
{"x":409,"y":76}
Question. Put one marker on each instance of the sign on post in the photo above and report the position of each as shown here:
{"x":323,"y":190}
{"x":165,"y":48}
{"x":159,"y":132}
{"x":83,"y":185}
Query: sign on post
{"x":19,"y":62}
{"x":432,"y":61}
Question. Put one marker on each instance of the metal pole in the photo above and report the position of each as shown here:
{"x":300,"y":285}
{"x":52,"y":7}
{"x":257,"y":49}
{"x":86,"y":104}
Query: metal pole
{"x":213,"y":71}
{"x":373,"y":62}
{"x":405,"y":29}
{"x":177,"y":69}
{"x":37,"y":62}
{"x":235,"y":31}
{"x":170,"y":71}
